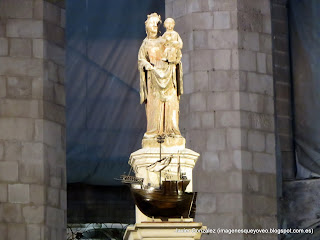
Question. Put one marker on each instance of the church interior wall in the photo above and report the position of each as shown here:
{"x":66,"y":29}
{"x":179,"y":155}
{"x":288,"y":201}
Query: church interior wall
{"x":236,"y":112}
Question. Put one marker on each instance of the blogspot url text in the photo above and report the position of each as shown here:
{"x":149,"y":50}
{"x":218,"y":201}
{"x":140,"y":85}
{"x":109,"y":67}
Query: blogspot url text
{"x":245,"y":231}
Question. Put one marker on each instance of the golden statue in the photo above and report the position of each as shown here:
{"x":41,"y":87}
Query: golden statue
{"x":159,"y":63}
{"x":162,"y":185}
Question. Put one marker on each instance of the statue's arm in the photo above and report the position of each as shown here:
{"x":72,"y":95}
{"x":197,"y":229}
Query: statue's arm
{"x":179,"y":69}
{"x":142,"y":59}
{"x":179,"y":79}
{"x":143,"y":64}
{"x":177,"y":41}
{"x":178,"y":44}
{"x":180,"y":41}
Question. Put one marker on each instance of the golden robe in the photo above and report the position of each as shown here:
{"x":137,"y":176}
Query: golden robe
{"x":160,"y":89}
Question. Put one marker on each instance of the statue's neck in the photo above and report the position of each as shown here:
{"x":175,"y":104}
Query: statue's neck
{"x":152,"y":39}
{"x":152,"y":35}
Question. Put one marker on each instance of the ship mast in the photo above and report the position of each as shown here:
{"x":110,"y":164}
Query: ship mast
{"x":160,"y":139}
{"x":179,"y":169}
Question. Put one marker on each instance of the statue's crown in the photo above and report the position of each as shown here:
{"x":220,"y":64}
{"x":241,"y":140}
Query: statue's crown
{"x":156,"y":15}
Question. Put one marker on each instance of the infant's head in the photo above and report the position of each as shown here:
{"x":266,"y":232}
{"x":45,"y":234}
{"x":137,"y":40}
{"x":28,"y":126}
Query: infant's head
{"x":169,"y":24}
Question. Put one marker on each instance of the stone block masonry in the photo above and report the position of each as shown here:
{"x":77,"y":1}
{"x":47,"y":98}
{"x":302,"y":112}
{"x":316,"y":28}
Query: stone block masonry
{"x":32,"y":121}
{"x":228,"y":117}
{"x":283,"y":86}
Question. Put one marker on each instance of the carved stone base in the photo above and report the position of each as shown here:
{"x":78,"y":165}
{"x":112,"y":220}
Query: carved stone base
{"x":169,"y":142}
{"x":141,"y":159}
{"x":164,"y":230}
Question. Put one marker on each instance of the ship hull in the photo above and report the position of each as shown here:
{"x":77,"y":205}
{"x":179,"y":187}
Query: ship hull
{"x":168,"y":202}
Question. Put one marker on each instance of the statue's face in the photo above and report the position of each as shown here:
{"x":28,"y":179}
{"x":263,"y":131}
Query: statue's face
{"x":152,"y":27}
{"x":169,"y":25}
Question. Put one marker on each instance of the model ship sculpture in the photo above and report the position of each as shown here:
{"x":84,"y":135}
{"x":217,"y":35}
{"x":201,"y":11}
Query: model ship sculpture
{"x":162,"y":185}
{"x":170,"y":199}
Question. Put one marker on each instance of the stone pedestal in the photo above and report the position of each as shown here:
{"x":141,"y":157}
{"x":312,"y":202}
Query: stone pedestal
{"x":164,"y":231}
{"x":144,"y":157}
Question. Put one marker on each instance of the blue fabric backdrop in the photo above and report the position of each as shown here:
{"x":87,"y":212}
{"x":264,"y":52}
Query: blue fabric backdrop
{"x":305,"y":52}
{"x":105,"y":121}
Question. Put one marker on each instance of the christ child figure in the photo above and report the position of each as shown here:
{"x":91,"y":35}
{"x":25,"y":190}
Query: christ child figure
{"x":173,"y":43}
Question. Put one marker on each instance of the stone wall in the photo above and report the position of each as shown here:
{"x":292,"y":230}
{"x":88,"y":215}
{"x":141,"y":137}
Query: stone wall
{"x":227,"y":110}
{"x":283,"y":88}
{"x":32,"y":121}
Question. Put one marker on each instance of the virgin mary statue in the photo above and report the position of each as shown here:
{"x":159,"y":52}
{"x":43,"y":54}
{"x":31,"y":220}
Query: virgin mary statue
{"x":160,"y":83}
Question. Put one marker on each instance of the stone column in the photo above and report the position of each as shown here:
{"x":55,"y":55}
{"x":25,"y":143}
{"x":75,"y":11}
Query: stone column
{"x":32,"y":121}
{"x":227,"y":111}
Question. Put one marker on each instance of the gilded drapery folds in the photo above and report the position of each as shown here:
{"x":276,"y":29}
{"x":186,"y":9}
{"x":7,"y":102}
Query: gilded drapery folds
{"x":161,"y":84}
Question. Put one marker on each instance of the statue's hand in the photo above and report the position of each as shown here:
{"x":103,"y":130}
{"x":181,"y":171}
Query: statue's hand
{"x":148,"y":67}
{"x":176,"y":44}
{"x":162,"y":40}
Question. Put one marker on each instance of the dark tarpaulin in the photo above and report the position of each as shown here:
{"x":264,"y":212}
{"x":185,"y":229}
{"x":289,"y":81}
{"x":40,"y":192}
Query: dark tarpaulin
{"x":305,"y":50}
{"x":105,"y":121}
